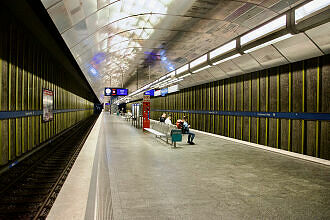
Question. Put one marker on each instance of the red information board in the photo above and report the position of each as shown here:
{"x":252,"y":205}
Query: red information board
{"x":146,"y":111}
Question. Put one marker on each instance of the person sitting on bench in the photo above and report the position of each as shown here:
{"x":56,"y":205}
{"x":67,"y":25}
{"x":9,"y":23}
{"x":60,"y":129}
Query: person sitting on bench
{"x":162,"y":118}
{"x":168,"y":120}
{"x":185,"y":130}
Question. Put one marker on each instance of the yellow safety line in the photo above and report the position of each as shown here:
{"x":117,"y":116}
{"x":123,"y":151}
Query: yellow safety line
{"x":317,"y":108}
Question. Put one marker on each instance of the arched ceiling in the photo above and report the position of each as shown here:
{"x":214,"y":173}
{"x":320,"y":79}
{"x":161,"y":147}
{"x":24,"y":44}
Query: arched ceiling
{"x":112,"y":39}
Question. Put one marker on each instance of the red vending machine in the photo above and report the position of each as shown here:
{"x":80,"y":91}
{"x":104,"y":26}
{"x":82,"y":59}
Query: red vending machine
{"x":146,"y":111}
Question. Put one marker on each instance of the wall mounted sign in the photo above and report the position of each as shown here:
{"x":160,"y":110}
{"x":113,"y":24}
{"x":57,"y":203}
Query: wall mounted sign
{"x":47,"y":105}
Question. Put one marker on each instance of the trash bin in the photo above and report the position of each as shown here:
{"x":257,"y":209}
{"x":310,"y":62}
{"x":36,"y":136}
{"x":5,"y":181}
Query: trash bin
{"x":176,"y":135}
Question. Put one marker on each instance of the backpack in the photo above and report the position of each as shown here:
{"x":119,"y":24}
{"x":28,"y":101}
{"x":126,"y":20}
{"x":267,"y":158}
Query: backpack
{"x":179,"y":124}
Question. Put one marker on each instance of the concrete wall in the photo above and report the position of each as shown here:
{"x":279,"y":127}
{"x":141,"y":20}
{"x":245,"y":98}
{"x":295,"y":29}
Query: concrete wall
{"x":297,"y":87}
{"x":26,"y":67}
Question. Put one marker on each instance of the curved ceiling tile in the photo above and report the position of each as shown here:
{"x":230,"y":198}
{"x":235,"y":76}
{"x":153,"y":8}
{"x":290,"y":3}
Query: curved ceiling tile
{"x":268,"y":57}
{"x":60,"y":17}
{"x":291,"y":47}
{"x":230,"y":68}
{"x":320,"y":35}
{"x":247,"y":63}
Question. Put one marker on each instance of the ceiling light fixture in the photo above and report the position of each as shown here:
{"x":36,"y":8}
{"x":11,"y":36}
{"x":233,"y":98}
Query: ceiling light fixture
{"x":198,"y":61}
{"x":310,"y":8}
{"x":264,"y":30}
{"x":269,"y":43}
{"x":223,"y":49}
{"x":201,"y":69}
{"x":228,"y":58}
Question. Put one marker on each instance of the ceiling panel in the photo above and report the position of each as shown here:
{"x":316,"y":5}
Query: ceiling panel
{"x":247,"y":63}
{"x":321,"y":36}
{"x":291,"y":48}
{"x":230,"y":68}
{"x":268,"y":57}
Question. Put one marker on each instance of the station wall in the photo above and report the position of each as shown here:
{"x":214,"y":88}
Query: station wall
{"x":298,"y":87}
{"x":26,"y":67}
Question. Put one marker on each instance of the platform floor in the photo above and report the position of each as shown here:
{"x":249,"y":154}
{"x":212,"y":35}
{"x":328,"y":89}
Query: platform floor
{"x":136,"y":176}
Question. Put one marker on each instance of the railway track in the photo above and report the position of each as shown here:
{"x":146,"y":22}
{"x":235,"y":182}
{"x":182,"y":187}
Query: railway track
{"x":29,"y":189}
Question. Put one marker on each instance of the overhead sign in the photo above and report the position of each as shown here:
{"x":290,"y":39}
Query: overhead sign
{"x":115,"y":92}
{"x":157,"y":93}
{"x":150,"y":92}
{"x":174,"y":88}
{"x":164,"y":91}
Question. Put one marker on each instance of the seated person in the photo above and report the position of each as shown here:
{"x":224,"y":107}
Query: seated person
{"x":162,"y":118}
{"x":168,"y":120}
{"x":185,"y":130}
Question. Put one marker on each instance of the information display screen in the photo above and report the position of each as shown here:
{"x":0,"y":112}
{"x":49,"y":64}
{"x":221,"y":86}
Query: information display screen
{"x":115,"y":92}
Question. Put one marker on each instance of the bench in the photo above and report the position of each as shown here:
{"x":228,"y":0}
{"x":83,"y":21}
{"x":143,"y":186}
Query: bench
{"x":160,"y":129}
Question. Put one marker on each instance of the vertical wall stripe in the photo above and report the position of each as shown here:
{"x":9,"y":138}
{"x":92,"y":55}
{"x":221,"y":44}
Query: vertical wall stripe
{"x":9,"y":90}
{"x":258,"y":105}
{"x":223,"y":106}
{"x":1,"y":101}
{"x":303,"y":109}
{"x":290,"y":106}
{"x":23,"y":147}
{"x":242,"y":104}
{"x":228,"y":128}
{"x":317,"y":109}
{"x":235,"y":97}
{"x":16,"y":101}
{"x":277,"y":106}
{"x":250,"y":104}
{"x":267,"y":100}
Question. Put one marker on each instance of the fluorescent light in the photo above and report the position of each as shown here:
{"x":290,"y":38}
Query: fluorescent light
{"x":198,"y":61}
{"x":269,"y":43}
{"x":228,"y":58}
{"x":263,"y":30}
{"x":203,"y":68}
{"x":182,"y":69}
{"x":181,"y":77}
{"x":310,"y":7}
{"x":223,"y":49}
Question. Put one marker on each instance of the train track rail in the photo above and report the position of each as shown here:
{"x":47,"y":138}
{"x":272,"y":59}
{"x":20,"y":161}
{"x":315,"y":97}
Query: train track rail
{"x":29,"y":189}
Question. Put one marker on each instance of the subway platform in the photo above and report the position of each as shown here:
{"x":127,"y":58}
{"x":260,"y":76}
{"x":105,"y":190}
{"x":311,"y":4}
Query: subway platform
{"x":124,"y":173}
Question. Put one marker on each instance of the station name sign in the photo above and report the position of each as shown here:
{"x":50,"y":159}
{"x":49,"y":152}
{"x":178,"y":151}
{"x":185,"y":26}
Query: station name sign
{"x":115,"y":91}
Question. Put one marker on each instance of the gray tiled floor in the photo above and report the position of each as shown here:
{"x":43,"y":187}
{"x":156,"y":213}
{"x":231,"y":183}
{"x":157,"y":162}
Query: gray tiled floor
{"x":215,"y":179}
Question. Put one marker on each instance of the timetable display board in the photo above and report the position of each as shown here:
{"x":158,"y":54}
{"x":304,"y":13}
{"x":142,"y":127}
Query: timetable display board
{"x":47,"y":105}
{"x":115,"y":92}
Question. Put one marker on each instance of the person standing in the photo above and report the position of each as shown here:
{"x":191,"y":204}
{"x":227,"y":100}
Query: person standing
{"x":163,"y":117}
{"x":168,"y":120}
{"x":185,"y":130}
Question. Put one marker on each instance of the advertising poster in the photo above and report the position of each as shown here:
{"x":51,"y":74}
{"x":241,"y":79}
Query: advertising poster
{"x":47,"y":105}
